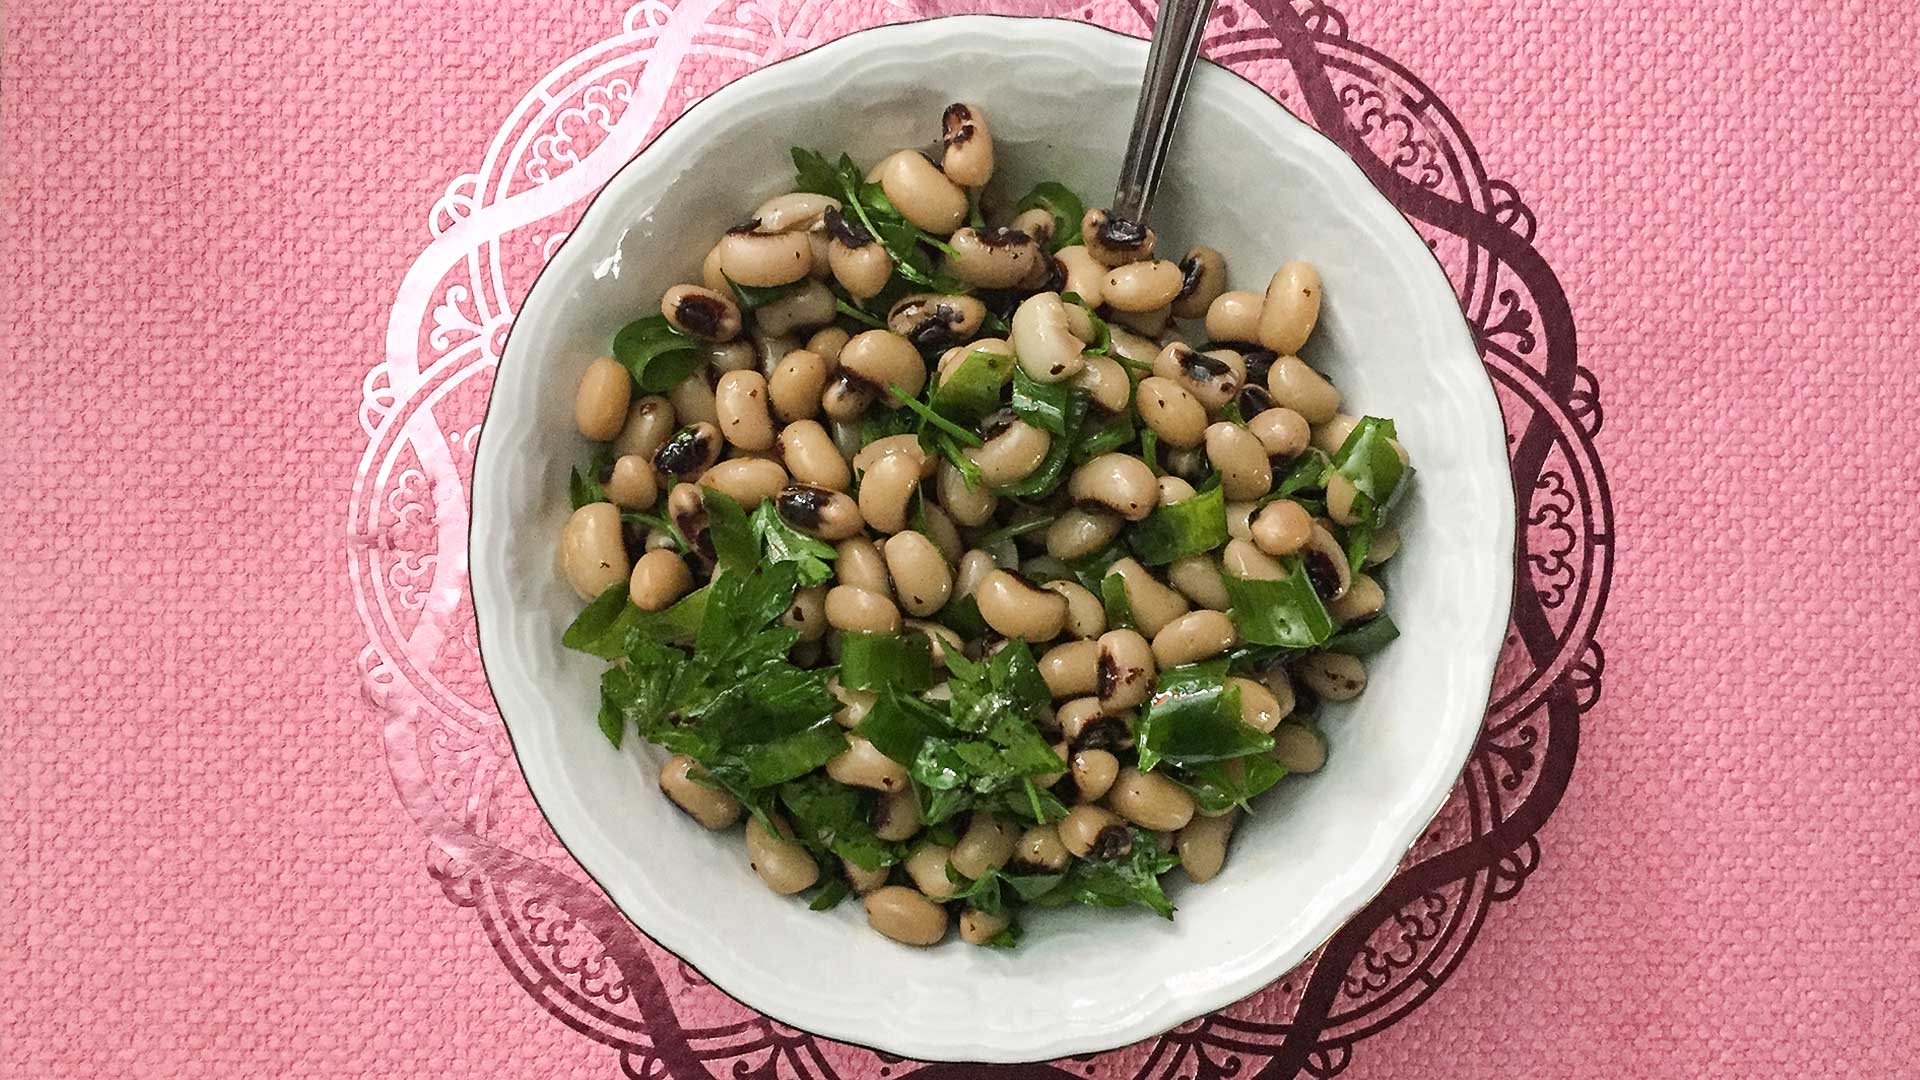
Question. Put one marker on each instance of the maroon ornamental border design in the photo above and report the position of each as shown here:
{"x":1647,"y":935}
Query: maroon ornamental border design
{"x":1398,"y":950}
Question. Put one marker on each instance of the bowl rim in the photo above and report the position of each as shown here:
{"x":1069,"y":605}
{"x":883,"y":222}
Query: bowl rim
{"x":1175,"y":1010}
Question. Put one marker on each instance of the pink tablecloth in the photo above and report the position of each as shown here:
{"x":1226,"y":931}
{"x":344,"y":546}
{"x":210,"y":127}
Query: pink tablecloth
{"x":253,"y":252}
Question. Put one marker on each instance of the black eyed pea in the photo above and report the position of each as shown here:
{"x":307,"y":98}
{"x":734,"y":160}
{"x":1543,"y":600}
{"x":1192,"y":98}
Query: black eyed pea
{"x":862,"y":270}
{"x":681,"y":780}
{"x":1044,"y":338}
{"x":807,"y":613}
{"x":1283,"y":527}
{"x":1131,"y":347}
{"x":1187,"y":462}
{"x":1093,"y":774}
{"x":687,"y":509}
{"x":710,"y":274}
{"x":1341,"y":494}
{"x":1203,"y":277}
{"x":951,"y":360}
{"x":967,"y":506}
{"x":896,"y":816}
{"x":796,"y":211}
{"x":922,"y":193}
{"x":1094,"y":832}
{"x":1193,"y":637}
{"x":1386,"y":544}
{"x":860,"y":564}
{"x":1330,"y":436}
{"x":920,"y":574}
{"x":940,"y":639}
{"x":784,"y":865}
{"x":974,"y":566}
{"x":986,"y":845}
{"x":1151,"y":323}
{"x":1080,"y":532}
{"x":1142,"y":286}
{"x":942,"y":531}
{"x":820,"y":245}
{"x":904,"y":915}
{"x":926,"y":867}
{"x":1259,"y":709}
{"x":1240,"y":519}
{"x":1299,"y":748}
{"x":692,"y":451}
{"x":827,"y":343}
{"x":741,"y":400}
{"x":1114,"y":240}
{"x":968,"y":157}
{"x":811,"y":456}
{"x":1086,"y":726}
{"x":1039,"y":850}
{"x":883,"y":359}
{"x":823,"y":512}
{"x":907,"y":445}
{"x":979,"y":928}
{"x":807,"y":307}
{"x":593,"y":550}
{"x":1243,"y":559}
{"x":1037,"y":223}
{"x":1235,"y":316}
{"x":1150,"y":800}
{"x":1085,"y":274}
{"x":1086,"y":616}
{"x":660,"y":577}
{"x":1126,"y":671}
{"x":992,"y":258}
{"x":600,"y":405}
{"x":1252,"y":400}
{"x":632,"y":485}
{"x":1296,"y":386}
{"x":1106,"y":383}
{"x":846,"y":398}
{"x":1281,"y":431}
{"x":1120,"y":483}
{"x":1171,"y":410}
{"x":1212,"y":377}
{"x":861,"y":765}
{"x":886,"y":490}
{"x":1280,"y":685}
{"x":1333,"y":676}
{"x":1326,"y":563}
{"x":1016,"y":608}
{"x":736,"y":355}
{"x":1198,"y":579}
{"x":1291,"y":307}
{"x":863,"y":880}
{"x":649,"y":423}
{"x":692,"y":400}
{"x":857,"y":610}
{"x":701,"y":312}
{"x":1013,"y":449}
{"x":763,"y":260}
{"x":934,"y":320}
{"x":1203,"y":845}
{"x":746,"y":480}
{"x":1364,"y":599}
{"x":1154,"y":605}
{"x":1071,"y":669}
{"x":1245,"y":472}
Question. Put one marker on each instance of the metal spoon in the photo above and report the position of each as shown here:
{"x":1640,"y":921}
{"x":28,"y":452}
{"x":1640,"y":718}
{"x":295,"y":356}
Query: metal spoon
{"x":1176,"y":44}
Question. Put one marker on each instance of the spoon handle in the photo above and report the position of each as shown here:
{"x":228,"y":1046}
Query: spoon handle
{"x":1176,"y":45}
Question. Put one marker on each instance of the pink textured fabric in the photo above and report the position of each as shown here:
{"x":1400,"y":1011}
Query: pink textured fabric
{"x":214,"y":850}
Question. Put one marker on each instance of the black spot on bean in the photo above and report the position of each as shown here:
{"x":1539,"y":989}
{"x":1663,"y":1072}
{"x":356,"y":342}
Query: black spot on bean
{"x":848,"y":231}
{"x":1322,"y":573}
{"x":1253,"y":399}
{"x":1190,"y":274}
{"x":1259,"y":362}
{"x":1201,"y":368}
{"x":1118,"y":232}
{"x":956,"y":125}
{"x":745,"y":228}
{"x":803,"y":504}
{"x":997,"y":423}
{"x":686,"y":454}
{"x":1004,"y":236}
{"x":701,"y":314}
{"x":1106,"y":733}
{"x":1111,"y":843}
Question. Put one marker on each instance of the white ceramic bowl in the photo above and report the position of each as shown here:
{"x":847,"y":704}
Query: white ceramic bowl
{"x":1247,"y":178}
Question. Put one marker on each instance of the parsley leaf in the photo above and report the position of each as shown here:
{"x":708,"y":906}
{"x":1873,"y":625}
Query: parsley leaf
{"x":1133,"y":878}
{"x":811,"y":557}
{"x":1193,"y":718}
{"x":1192,"y":526}
{"x":655,"y":354}
{"x":1285,"y":612}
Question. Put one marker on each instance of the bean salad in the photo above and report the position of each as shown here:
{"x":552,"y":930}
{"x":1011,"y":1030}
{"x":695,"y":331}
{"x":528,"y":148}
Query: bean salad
{"x":974,"y":567}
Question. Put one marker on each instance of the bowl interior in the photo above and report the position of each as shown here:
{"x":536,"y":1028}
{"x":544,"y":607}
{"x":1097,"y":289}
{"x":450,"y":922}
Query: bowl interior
{"x":1248,"y":179}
